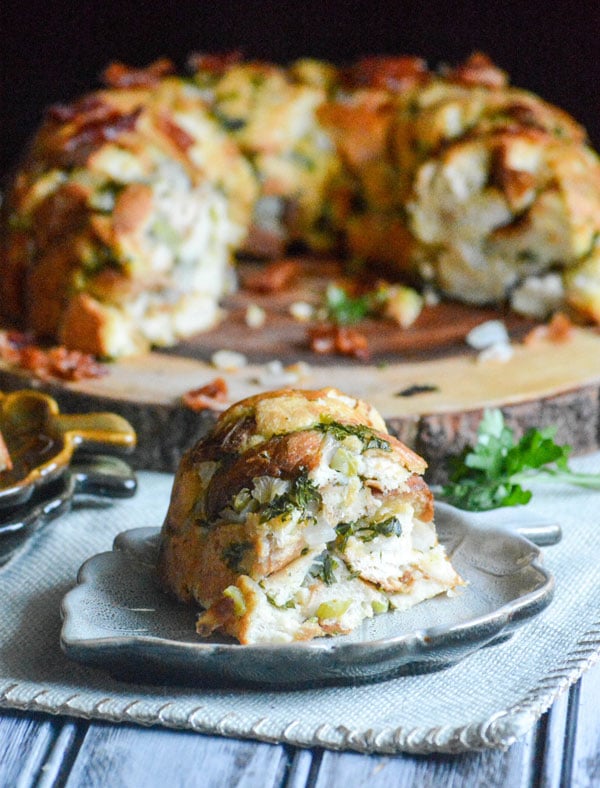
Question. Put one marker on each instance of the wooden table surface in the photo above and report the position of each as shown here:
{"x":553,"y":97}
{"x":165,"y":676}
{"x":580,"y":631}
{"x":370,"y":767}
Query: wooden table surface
{"x":562,"y":750}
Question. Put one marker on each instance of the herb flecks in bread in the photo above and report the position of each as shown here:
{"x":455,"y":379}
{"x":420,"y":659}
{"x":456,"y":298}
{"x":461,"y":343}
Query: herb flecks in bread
{"x":299,"y":516}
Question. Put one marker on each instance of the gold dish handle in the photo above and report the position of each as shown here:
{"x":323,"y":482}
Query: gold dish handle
{"x":107,"y":429}
{"x":41,"y":440}
{"x":25,"y":412}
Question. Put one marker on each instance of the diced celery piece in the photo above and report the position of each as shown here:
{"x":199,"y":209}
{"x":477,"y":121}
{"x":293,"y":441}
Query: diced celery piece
{"x":335,"y":608}
{"x":344,"y":462}
{"x":403,"y":305}
{"x":380,"y":605}
{"x":236,"y":596}
{"x":164,"y":232}
{"x":242,"y":500}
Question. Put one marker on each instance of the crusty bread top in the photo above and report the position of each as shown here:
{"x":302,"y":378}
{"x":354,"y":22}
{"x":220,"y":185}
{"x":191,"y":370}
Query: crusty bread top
{"x":263,"y":416}
{"x":285,"y":410}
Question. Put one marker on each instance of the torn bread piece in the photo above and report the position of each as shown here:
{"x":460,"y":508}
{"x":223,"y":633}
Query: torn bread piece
{"x":120,"y":225}
{"x":299,"y":516}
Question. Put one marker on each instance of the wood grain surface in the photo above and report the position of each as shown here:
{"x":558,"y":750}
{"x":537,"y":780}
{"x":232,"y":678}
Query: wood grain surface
{"x":425,"y":380}
{"x":51,"y":752}
{"x":438,"y":331}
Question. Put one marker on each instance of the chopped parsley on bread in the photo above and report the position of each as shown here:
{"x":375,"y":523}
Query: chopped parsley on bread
{"x":298,"y":516}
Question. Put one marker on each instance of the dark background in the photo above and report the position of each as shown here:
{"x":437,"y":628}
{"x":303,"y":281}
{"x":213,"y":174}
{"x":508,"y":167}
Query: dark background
{"x":54,"y":51}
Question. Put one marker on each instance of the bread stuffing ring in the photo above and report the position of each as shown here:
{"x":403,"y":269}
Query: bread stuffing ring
{"x":121,"y":224}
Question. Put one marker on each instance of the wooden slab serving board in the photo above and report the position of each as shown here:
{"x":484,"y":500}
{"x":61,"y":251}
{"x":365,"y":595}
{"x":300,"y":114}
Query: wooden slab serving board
{"x":549,"y":383}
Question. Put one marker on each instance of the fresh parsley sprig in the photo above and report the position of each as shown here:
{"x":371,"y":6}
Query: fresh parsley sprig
{"x":491,"y":474}
{"x":345,"y":309}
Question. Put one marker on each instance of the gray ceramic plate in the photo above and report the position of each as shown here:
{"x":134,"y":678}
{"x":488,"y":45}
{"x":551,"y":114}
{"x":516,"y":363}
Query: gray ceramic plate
{"x":119,"y":620}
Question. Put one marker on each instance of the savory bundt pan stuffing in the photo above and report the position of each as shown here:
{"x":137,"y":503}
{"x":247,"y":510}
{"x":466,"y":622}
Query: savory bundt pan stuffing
{"x":121,"y":223}
{"x":298,"y":516}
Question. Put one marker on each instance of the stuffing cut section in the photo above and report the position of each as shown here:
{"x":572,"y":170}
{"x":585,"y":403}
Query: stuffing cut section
{"x":299,"y":516}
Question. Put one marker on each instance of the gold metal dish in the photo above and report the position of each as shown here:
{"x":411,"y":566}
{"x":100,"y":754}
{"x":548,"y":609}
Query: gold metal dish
{"x":41,"y":440}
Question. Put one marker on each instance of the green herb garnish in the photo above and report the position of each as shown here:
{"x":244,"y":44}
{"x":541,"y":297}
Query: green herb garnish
{"x":282,"y":506}
{"x":228,"y":123}
{"x":390,"y":527}
{"x":344,"y":531}
{"x":324,"y":569}
{"x":344,"y":309}
{"x":289,"y":605}
{"x":301,"y":495}
{"x":234,"y":553}
{"x":366,"y":531}
{"x":341,"y":431}
{"x":491,"y":473}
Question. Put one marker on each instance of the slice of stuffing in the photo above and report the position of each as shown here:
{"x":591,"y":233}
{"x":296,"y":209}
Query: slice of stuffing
{"x":298,"y":516}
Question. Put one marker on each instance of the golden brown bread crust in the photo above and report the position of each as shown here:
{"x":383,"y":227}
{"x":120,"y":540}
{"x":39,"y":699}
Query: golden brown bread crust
{"x":276,"y":412}
{"x":281,"y":457}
